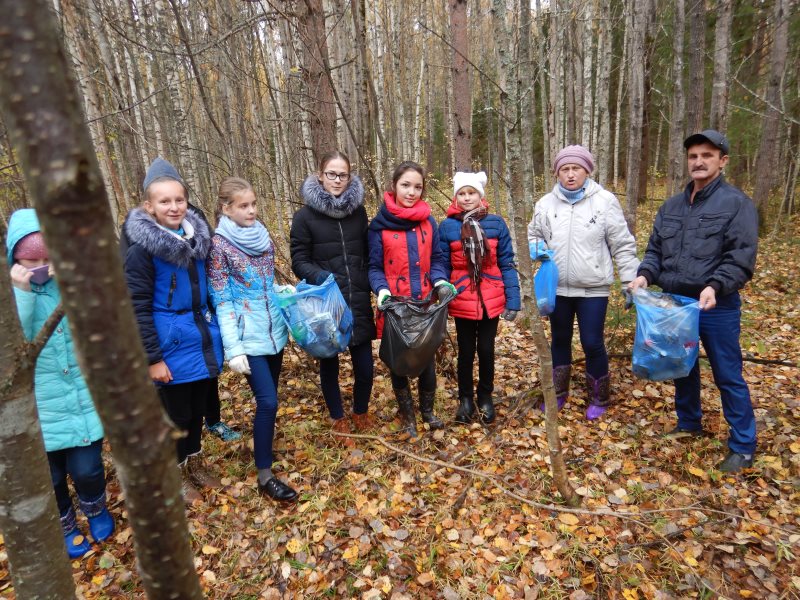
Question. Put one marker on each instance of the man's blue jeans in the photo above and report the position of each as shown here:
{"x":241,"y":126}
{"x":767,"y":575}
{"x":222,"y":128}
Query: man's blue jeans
{"x":85,"y":465}
{"x":719,"y":332}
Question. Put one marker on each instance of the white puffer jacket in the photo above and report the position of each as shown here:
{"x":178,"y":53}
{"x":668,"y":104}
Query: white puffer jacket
{"x":585,"y":236}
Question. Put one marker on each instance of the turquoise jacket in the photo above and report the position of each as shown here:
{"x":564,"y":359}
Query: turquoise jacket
{"x":66,"y":412}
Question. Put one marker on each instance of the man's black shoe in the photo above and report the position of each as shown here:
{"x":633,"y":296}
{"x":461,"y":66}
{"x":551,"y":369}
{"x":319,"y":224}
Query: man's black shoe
{"x":277,"y":490}
{"x":735,"y":462}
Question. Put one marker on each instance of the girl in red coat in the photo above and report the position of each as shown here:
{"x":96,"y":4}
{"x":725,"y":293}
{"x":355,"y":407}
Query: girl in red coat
{"x":479,"y":256}
{"x":405,"y":259}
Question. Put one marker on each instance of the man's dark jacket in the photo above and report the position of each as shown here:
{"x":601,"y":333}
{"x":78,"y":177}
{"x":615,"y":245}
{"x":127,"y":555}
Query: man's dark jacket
{"x":711,"y":242}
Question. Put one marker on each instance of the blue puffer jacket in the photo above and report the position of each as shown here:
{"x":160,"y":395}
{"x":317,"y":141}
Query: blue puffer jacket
{"x":166,"y":276}
{"x":238,"y":288}
{"x":66,"y":413}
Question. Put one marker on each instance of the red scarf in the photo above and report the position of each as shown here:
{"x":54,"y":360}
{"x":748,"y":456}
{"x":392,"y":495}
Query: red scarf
{"x":419,"y":212}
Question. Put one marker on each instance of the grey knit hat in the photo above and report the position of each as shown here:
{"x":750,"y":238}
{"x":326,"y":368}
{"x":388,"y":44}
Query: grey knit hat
{"x":161,"y":169}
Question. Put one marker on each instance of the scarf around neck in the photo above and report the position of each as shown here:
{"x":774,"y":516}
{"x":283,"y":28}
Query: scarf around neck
{"x":574,"y":195}
{"x":473,"y":242}
{"x":253,"y":240}
{"x":419,"y":212}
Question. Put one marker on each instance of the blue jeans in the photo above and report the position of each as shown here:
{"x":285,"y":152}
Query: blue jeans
{"x":591,"y":313}
{"x":719,"y":332}
{"x":84,"y":464}
{"x":263,"y":380}
{"x":363,"y":368}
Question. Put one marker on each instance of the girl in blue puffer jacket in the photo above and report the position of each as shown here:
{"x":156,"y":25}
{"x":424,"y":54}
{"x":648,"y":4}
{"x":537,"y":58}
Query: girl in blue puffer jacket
{"x":73,"y":435}
{"x":166,"y":275}
{"x":241,"y":271}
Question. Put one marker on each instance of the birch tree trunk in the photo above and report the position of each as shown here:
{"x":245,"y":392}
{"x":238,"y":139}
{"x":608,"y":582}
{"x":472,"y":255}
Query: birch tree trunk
{"x":722,"y":66}
{"x":768,"y":149}
{"x":602,"y":149}
{"x":620,"y":89}
{"x":28,"y":514}
{"x":695,"y":106}
{"x":462,"y":90}
{"x":46,"y":126}
{"x":587,"y":41}
{"x":676,"y":163}
{"x":635,"y":108}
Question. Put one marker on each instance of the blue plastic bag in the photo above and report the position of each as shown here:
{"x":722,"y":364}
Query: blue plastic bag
{"x":667,"y":340}
{"x":317,"y":317}
{"x":545,"y":282}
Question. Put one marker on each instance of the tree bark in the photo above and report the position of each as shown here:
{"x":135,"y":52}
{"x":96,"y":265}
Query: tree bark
{"x":770,"y":123}
{"x":602,"y":149}
{"x":695,"y":106}
{"x":635,"y":108}
{"x":462,"y":90}
{"x":676,"y":162}
{"x":46,"y":126}
{"x":28,"y":514}
{"x":722,"y":65}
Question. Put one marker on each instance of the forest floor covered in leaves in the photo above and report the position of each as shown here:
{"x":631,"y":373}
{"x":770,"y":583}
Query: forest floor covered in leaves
{"x":457,"y":514}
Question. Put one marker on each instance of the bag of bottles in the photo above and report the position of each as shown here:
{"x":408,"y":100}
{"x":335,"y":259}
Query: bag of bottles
{"x":317,"y":317}
{"x":667,"y":340}
{"x":412,"y":332}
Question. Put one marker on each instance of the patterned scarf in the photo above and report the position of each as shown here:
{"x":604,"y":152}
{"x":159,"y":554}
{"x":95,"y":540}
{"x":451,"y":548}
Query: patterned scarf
{"x":253,"y":240}
{"x":473,"y":243}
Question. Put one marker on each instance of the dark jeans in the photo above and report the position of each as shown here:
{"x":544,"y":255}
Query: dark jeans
{"x":719,"y":332}
{"x":213,"y":409}
{"x":476,"y":335}
{"x":591,"y":313}
{"x":185,"y":404}
{"x":363,"y":367}
{"x":426,"y":380}
{"x":84,"y":464}
{"x":263,"y":380}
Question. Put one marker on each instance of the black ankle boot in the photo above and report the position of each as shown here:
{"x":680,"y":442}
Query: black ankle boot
{"x":405,"y":408}
{"x":426,"y":408}
{"x":466,"y":410}
{"x":486,"y":409}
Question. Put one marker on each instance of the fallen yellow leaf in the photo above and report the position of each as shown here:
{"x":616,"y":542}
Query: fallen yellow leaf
{"x":568,"y":519}
{"x":208,"y":549}
{"x":293,"y":545}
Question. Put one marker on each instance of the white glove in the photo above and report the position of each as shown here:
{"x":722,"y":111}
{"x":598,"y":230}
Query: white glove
{"x":382,"y":296}
{"x":240,"y":364}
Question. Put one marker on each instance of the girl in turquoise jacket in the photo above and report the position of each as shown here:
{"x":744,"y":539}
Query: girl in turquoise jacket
{"x":73,"y":435}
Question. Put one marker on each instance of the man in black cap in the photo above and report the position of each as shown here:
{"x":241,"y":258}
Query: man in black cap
{"x":703,"y":245}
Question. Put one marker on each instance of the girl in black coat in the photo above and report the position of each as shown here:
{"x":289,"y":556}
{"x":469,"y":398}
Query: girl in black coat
{"x":329,"y":235}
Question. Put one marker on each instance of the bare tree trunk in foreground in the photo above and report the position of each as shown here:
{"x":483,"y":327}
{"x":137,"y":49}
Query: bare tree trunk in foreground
{"x":41,"y":108}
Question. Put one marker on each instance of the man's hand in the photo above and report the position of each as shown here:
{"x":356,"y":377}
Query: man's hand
{"x":708,"y":298}
{"x":639,"y":282}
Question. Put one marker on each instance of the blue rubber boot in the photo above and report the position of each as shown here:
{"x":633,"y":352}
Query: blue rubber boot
{"x":76,"y":542}
{"x":101,"y":526}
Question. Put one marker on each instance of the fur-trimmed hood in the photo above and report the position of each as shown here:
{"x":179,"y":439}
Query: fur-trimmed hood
{"x":140,"y":228}
{"x":315,"y":196}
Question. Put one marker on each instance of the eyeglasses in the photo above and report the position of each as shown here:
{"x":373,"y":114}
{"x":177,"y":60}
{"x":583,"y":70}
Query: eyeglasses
{"x":333,"y":176}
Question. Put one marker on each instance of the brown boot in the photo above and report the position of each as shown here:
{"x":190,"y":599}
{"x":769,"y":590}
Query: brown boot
{"x":363,"y":422}
{"x":198,"y":473}
{"x":188,"y":491}
{"x":343,"y":426}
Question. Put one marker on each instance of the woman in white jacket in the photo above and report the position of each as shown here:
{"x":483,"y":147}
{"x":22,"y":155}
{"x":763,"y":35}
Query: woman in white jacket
{"x":584,"y":226}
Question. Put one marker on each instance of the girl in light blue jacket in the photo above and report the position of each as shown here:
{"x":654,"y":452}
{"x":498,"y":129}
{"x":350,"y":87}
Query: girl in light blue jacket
{"x":241,"y":268}
{"x":73,"y":435}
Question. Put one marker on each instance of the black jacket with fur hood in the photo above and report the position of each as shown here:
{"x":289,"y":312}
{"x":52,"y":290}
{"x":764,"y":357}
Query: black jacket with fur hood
{"x":329,"y":235}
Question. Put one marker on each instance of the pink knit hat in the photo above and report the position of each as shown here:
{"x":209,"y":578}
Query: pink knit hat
{"x":31,"y":247}
{"x":576,"y":155}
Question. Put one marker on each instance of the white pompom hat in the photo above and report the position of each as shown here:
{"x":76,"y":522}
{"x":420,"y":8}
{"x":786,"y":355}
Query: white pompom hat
{"x":473,"y":180}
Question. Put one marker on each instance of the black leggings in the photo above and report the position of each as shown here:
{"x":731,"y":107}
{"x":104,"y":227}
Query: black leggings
{"x":472,"y":335}
{"x":186,"y":404}
{"x":427,"y":379}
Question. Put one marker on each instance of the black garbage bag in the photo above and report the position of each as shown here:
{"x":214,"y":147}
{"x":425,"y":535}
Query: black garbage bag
{"x":412,"y":332}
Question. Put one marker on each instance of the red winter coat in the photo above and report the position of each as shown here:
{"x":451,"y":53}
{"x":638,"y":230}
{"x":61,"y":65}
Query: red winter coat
{"x":499,"y":285}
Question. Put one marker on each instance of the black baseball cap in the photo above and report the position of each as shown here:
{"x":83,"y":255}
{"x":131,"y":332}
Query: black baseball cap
{"x":715,"y":138}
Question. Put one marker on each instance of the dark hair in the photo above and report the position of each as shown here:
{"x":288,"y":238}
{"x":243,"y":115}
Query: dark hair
{"x":402,"y":168}
{"x":333,"y":155}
